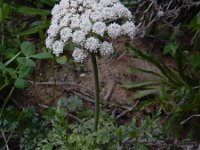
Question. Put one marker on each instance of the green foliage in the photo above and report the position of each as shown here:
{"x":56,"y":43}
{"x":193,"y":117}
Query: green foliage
{"x":79,"y":135}
{"x":175,"y":90}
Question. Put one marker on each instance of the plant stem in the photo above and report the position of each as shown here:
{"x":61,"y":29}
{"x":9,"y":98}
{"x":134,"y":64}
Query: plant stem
{"x":96,"y":91}
{"x":6,"y":100}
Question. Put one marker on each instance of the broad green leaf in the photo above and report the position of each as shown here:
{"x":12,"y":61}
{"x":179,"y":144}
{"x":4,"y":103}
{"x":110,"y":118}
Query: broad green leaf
{"x":20,"y":83}
{"x":61,"y":60}
{"x":11,"y":72}
{"x":10,"y":53}
{"x":26,"y":61}
{"x":30,"y":63}
{"x":27,"y":48}
{"x":44,"y":55}
{"x":28,"y":10}
{"x":25,"y":71}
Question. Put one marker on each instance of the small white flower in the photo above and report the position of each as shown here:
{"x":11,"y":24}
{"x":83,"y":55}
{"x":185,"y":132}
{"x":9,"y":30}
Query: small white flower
{"x":108,"y":13}
{"x":73,"y":10}
{"x":129,"y":29}
{"x":55,"y":10}
{"x":108,"y":2}
{"x":106,"y":48}
{"x":89,"y":3}
{"x":64,"y":22}
{"x":75,"y":21}
{"x":65,"y":34}
{"x":85,"y":24}
{"x":64,"y":3}
{"x":78,"y":55}
{"x":78,"y":37}
{"x":92,"y":44}
{"x":121,"y":11}
{"x":74,"y":4}
{"x":114,"y":30}
{"x":58,"y":47}
{"x":99,"y":28}
{"x":49,"y":42}
{"x":53,"y":30}
{"x":96,"y":16}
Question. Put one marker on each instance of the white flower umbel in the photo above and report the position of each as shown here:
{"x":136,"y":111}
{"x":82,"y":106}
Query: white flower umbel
{"x":92,"y":44}
{"x":99,"y":28}
{"x":129,"y":29}
{"x":114,"y":30}
{"x":78,"y":55}
{"x":78,"y":37}
{"x":65,"y":34}
{"x":57,"y":47}
{"x":89,"y":24}
{"x":106,"y":49}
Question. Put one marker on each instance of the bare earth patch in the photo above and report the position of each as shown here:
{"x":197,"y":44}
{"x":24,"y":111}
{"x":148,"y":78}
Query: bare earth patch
{"x":111,"y":74}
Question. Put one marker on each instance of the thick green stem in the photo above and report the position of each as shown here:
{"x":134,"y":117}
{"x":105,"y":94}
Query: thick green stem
{"x":96,"y":92}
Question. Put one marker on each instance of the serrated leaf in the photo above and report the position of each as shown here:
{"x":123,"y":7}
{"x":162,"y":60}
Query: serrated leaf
{"x":27,"y":48}
{"x":20,"y":83}
{"x":43,"y":55}
{"x":61,"y":60}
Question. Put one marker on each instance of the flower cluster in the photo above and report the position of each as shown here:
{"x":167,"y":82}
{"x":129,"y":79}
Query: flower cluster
{"x":89,"y":24}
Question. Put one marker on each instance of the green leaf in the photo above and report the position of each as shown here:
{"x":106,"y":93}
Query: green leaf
{"x":61,"y":60}
{"x":30,"y":63}
{"x":28,"y":10}
{"x":10,"y":53}
{"x":139,"y":84}
{"x":26,"y":61}
{"x":195,"y":61}
{"x":25,"y":71}
{"x":4,"y":14}
{"x":20,"y":83}
{"x":44,"y":55}
{"x":144,"y":93}
{"x":33,"y":30}
{"x":170,"y":49}
{"x":11,"y":72}
{"x":27,"y":48}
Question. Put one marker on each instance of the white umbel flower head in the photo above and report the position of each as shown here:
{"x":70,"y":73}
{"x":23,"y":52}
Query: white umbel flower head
{"x":57,"y":47}
{"x":114,"y":30}
{"x":92,"y":44}
{"x":129,"y":29}
{"x":65,"y":34}
{"x":88,"y":24}
{"x":99,"y":28}
{"x":106,"y":48}
{"x":78,"y":55}
{"x":78,"y":37}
